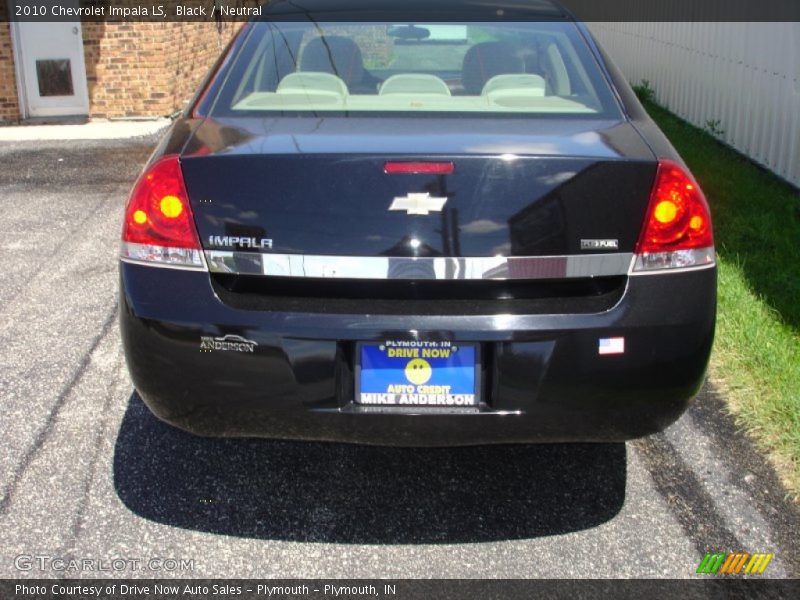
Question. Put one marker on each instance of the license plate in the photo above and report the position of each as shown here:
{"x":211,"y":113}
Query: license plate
{"x":414,"y":373}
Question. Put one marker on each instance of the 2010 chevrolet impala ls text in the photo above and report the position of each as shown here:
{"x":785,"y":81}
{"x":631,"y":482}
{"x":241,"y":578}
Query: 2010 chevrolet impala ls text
{"x":406,"y":223}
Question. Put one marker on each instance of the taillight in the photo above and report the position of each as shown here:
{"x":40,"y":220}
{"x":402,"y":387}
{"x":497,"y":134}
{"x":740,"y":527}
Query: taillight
{"x":677,"y":230}
{"x":159,"y":227}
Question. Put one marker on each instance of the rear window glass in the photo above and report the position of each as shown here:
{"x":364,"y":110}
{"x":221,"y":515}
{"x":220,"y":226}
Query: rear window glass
{"x":412,"y":68}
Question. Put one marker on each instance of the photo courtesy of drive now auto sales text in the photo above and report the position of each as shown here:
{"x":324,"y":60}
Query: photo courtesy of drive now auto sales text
{"x":171,"y":590}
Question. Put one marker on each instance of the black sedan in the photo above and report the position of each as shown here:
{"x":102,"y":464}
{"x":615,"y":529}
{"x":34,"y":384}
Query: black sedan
{"x":412,"y":223}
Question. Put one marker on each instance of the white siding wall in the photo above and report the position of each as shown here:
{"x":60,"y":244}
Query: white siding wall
{"x":746,"y":75}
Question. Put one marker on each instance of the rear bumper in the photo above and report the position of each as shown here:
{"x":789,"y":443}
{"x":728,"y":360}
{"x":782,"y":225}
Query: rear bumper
{"x":543,"y":379}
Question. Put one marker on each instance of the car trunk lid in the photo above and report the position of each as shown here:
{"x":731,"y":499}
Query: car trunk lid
{"x":320,"y":187}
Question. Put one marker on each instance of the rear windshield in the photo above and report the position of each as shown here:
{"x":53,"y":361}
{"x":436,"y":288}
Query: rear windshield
{"x":411,"y":68}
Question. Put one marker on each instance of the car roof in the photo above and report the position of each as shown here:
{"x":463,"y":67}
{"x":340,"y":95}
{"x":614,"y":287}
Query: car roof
{"x":412,"y":10}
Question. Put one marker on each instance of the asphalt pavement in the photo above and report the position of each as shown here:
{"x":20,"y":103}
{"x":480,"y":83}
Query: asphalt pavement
{"x":87,"y":474}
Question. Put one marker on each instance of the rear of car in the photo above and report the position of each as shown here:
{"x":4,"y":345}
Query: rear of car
{"x":417,"y":232}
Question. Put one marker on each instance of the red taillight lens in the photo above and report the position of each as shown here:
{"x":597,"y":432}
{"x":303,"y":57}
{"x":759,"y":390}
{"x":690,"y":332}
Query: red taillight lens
{"x":159,"y":226}
{"x":678,"y":217}
{"x":158,"y":211}
{"x":426,"y":168}
{"x":677,"y":230}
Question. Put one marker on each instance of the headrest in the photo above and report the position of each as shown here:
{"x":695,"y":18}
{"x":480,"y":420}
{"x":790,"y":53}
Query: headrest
{"x":337,"y":55}
{"x":305,"y":82}
{"x":527,"y":84}
{"x":414,"y":83}
{"x":487,"y":59}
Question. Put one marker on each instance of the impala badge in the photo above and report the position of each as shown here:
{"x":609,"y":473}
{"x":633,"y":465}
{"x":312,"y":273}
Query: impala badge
{"x":418,"y":204}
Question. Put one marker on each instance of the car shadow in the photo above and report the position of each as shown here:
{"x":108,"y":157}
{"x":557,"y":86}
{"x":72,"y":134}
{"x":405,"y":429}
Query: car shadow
{"x":343,"y":493}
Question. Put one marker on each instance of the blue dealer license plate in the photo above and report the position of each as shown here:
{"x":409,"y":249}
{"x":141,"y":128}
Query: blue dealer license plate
{"x":414,"y":373}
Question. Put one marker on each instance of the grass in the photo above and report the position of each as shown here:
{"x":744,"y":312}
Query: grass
{"x":756,"y":357}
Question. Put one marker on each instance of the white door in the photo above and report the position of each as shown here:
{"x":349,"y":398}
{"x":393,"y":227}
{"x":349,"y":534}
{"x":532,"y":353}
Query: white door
{"x":50,"y":64}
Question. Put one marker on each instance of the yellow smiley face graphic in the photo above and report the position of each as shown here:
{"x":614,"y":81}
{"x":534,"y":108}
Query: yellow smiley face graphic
{"x":418,"y":371}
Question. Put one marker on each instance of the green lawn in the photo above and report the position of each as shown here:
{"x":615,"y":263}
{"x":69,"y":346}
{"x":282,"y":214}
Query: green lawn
{"x":756,"y":358}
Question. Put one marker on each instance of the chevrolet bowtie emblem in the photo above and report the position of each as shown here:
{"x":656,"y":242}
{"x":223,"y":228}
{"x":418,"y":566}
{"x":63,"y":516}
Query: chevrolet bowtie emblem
{"x":418,"y":204}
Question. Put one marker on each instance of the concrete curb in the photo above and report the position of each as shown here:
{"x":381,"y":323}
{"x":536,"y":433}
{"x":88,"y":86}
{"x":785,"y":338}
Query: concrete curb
{"x":93,"y":130}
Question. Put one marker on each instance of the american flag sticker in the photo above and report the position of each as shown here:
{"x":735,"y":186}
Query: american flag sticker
{"x":615,"y":345}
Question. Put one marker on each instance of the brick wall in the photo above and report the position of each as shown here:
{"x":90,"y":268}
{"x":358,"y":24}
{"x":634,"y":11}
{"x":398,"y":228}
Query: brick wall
{"x":9,"y":105}
{"x":148,"y":69}
{"x":132,"y":69}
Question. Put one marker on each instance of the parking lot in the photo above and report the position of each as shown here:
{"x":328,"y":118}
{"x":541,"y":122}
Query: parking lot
{"x":87,"y":473}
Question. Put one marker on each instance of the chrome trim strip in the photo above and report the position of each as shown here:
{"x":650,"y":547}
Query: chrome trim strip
{"x":446,"y":268}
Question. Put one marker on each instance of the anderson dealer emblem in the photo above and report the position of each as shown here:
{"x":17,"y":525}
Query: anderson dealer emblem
{"x":227,"y":343}
{"x":418,"y":203}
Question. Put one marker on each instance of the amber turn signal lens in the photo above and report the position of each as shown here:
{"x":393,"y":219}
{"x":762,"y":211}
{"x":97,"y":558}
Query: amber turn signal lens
{"x":171,"y":206}
{"x":665,"y":211}
{"x":139,"y":217}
